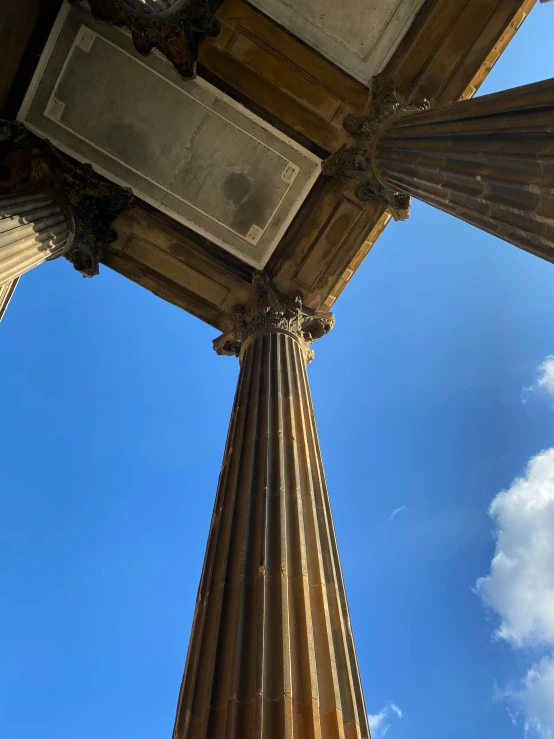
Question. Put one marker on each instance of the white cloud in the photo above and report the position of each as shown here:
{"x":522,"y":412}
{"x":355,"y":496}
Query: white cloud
{"x":545,"y":377}
{"x":532,"y":703}
{"x":396,"y":710}
{"x":537,"y":700}
{"x":396,"y":512}
{"x":379,"y":723}
{"x":545,"y":380}
{"x":520,"y":586}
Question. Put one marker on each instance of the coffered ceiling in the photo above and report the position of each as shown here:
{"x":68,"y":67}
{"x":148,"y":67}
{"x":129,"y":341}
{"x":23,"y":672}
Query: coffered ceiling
{"x":183,"y":146}
{"x":226,"y":168}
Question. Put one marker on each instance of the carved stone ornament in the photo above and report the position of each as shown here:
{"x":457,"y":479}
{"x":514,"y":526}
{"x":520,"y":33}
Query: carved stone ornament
{"x":357,"y":162}
{"x":268,"y":311}
{"x":90,"y":202}
{"x":176,"y":32}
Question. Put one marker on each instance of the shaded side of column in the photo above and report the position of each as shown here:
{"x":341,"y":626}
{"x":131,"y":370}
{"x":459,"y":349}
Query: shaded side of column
{"x":271,"y":654}
{"x":33,"y":228}
{"x":488,"y":161}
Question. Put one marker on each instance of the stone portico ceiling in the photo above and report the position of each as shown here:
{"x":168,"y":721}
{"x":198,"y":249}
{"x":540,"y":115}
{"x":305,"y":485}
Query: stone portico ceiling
{"x":357,"y":35}
{"x":183,"y":146}
{"x":439,"y":50}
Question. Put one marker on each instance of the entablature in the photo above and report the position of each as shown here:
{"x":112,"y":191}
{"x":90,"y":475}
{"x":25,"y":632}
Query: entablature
{"x":301,"y":95}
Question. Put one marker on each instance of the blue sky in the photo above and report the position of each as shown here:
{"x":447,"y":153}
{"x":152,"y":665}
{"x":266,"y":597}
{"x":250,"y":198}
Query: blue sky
{"x":433,"y":393}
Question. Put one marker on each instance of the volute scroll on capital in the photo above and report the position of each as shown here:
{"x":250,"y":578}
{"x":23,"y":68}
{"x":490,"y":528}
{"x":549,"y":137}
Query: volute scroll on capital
{"x":359,"y":162}
{"x":270,"y":311}
{"x":90,"y":202}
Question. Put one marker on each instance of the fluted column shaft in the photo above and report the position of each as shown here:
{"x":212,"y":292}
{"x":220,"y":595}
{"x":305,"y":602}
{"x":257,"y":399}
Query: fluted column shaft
{"x":271,"y":654}
{"x":58,"y":207}
{"x":33,"y":228}
{"x":6,"y":294}
{"x":488,"y":161}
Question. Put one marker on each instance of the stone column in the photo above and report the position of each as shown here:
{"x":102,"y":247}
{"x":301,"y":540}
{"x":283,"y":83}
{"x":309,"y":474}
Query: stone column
{"x":488,"y":160}
{"x":33,"y":228}
{"x":6,"y":293}
{"x":271,"y":654}
{"x":56,"y":208}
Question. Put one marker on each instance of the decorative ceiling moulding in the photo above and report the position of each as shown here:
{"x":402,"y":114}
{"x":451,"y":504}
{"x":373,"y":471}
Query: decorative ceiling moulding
{"x":358,"y":162}
{"x":269,"y":310}
{"x":176,"y":28}
{"x":184,"y":147}
{"x":358,"y":36}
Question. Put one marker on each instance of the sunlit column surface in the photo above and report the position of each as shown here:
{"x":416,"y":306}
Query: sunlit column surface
{"x":6,"y":293}
{"x":33,"y":228}
{"x":488,"y":160}
{"x":271,"y":653}
{"x":57,"y":207}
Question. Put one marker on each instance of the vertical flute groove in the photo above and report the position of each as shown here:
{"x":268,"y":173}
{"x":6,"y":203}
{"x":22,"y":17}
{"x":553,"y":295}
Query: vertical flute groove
{"x":33,"y":228}
{"x":488,"y":161}
{"x":271,"y":655}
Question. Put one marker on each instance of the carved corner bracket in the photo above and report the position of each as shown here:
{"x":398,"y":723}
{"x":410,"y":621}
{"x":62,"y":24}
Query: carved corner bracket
{"x":90,"y":202}
{"x":358,"y":161}
{"x":176,"y":32}
{"x":269,"y":310}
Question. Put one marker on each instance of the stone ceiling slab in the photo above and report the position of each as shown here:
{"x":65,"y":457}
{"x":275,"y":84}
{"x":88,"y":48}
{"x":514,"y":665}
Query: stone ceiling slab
{"x":358,"y":35}
{"x":183,"y":146}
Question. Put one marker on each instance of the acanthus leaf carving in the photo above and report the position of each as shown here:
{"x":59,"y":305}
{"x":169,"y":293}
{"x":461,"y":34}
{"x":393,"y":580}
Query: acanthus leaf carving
{"x":177,"y":33}
{"x":357,"y":162}
{"x":269,"y":310}
{"x":90,"y":202}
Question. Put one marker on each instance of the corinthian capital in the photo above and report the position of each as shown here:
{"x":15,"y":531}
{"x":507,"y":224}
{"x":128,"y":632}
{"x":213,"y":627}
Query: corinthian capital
{"x":90,"y":202}
{"x":358,"y":161}
{"x":270,"y":311}
{"x":175,"y":31}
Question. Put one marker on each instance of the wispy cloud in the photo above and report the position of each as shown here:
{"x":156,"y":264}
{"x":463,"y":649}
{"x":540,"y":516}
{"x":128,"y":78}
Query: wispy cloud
{"x":396,"y":710}
{"x":545,"y":379}
{"x":379,"y":723}
{"x":538,"y":699}
{"x":396,"y":512}
{"x":520,"y":586}
{"x":530,"y":703}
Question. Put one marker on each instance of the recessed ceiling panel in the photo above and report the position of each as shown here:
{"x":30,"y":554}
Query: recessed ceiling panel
{"x":357,"y":35}
{"x":182,"y":145}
